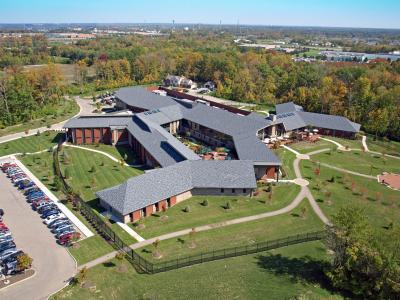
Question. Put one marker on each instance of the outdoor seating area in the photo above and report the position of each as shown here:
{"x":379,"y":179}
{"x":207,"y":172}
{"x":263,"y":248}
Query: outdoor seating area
{"x":207,"y":152}
{"x":307,"y":136}
{"x":391,"y":180}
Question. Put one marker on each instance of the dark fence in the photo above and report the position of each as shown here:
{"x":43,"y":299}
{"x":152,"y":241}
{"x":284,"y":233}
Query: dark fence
{"x":144,"y":265}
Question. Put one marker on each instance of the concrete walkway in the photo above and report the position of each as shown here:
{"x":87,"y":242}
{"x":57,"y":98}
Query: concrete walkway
{"x":84,"y":108}
{"x":82,"y":227}
{"x":287,"y":209}
{"x":364,"y":143}
{"x":348,"y":171}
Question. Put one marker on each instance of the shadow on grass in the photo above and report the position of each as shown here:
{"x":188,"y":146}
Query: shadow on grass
{"x":109,"y":264}
{"x":304,"y":269}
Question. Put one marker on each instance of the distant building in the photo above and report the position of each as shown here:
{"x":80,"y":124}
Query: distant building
{"x":179,"y":81}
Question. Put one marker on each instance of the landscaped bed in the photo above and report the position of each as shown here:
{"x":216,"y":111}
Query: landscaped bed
{"x":380,"y":204}
{"x":236,"y":235}
{"x":176,"y":218}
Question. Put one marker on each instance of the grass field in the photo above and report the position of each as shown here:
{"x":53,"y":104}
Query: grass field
{"x":42,"y":166}
{"x":119,"y":152}
{"x":358,"y":161}
{"x":238,"y":235}
{"x":307,"y":147}
{"x":293,"y":272}
{"x":64,"y":111}
{"x":287,"y":158}
{"x":353,"y":144}
{"x":81,"y":177}
{"x":388,"y":147}
{"x":380,"y":204}
{"x":30,"y":144}
{"x":199,"y":214}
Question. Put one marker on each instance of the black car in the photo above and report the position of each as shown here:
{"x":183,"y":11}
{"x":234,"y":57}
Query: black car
{"x":46,"y":207}
{"x":7,"y":245}
{"x":12,"y":257}
{"x":50,"y":213}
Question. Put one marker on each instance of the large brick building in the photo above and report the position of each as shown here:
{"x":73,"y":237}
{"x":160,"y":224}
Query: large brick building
{"x":152,"y":130}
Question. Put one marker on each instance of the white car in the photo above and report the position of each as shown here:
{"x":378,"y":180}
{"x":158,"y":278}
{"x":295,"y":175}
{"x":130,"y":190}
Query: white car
{"x":53,"y":218}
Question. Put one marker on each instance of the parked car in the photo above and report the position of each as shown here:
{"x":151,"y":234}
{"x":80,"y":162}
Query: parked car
{"x":35,"y":195}
{"x":31,"y":190}
{"x":58,"y":222}
{"x":40,"y":203}
{"x":10,"y":268}
{"x":7,"y":245}
{"x":23,"y":185}
{"x":6,"y":238}
{"x":63,"y":229}
{"x":9,"y":253}
{"x":60,"y":225}
{"x":66,"y":238}
{"x":49,"y":220}
{"x":49,"y":206}
{"x":50,"y":213}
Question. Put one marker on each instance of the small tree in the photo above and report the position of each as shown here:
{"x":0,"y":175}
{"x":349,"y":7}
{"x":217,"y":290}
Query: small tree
{"x":228,"y":205}
{"x":67,"y":173}
{"x":156,"y":245}
{"x":93,"y":182}
{"x":82,"y":275}
{"x":24,"y":261}
{"x":192,"y":235}
{"x":120,"y":256}
{"x":187,"y":209}
{"x":317,"y":171}
{"x":98,"y":106}
{"x":125,"y":157}
{"x":378,"y":196}
{"x":38,"y":133}
{"x":303,"y":212}
{"x":269,"y":198}
{"x":328,"y":195}
{"x":57,"y":183}
{"x":93,"y":169}
{"x":205,"y":202}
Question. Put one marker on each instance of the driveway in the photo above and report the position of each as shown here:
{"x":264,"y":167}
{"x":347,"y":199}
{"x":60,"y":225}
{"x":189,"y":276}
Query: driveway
{"x":53,"y":264}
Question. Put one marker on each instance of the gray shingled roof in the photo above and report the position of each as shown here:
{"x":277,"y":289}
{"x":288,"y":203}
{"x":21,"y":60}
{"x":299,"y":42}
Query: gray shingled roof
{"x":287,"y":107}
{"x":163,"y":146}
{"x":98,"y":121}
{"x":293,"y":117}
{"x":140,"y":97}
{"x":161,"y":184}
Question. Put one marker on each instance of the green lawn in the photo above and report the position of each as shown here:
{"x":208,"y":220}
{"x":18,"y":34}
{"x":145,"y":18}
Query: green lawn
{"x":107,"y":172}
{"x":358,"y":161}
{"x":287,"y":158}
{"x":307,"y":147}
{"x":238,"y":235}
{"x":30,"y":144}
{"x":288,"y":273}
{"x":64,"y":111}
{"x":381,"y":204}
{"x":119,"y":152}
{"x":388,"y":147}
{"x":353,"y":144}
{"x":42,"y":166}
{"x":199,"y":214}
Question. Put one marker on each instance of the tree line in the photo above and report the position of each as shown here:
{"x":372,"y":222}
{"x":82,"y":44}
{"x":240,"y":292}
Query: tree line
{"x":365,"y":93}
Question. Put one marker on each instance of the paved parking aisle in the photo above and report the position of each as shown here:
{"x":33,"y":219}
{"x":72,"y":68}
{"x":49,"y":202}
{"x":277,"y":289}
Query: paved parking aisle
{"x":53,"y":264}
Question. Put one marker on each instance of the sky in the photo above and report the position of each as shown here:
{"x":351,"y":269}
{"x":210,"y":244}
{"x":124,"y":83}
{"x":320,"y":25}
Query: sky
{"x":333,"y":13}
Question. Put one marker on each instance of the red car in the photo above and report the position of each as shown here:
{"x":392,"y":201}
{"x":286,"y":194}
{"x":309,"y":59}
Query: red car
{"x":67,"y":238}
{"x":35,"y":204}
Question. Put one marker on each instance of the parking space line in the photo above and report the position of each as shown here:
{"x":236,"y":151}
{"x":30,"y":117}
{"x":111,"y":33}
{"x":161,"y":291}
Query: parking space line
{"x":82,"y":227}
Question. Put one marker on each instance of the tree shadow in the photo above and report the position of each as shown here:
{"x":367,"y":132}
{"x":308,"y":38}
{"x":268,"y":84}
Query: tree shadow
{"x":109,"y":264}
{"x":304,"y":269}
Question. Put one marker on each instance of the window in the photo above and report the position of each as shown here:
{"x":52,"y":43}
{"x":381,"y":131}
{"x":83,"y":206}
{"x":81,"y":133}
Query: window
{"x":222,"y":191}
{"x":233,"y":191}
{"x":244,"y":191}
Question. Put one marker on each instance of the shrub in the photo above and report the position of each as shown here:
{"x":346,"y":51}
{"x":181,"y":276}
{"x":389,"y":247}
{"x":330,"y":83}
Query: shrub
{"x":38,"y":133}
{"x":187,"y":209}
{"x":205,"y":202}
{"x":228,"y":205}
{"x":93,"y":169}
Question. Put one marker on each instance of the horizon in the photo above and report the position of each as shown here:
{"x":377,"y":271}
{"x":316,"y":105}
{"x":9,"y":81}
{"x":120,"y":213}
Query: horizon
{"x":340,"y":14}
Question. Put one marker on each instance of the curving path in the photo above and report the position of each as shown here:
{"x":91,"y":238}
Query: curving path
{"x":84,"y":108}
{"x":102,"y":153}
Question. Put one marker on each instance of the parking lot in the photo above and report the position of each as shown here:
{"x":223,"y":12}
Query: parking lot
{"x":53,"y":264}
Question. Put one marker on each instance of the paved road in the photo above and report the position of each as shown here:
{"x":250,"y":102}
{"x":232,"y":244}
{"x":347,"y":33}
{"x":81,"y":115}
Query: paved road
{"x":53,"y":264}
{"x":85,"y":109}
